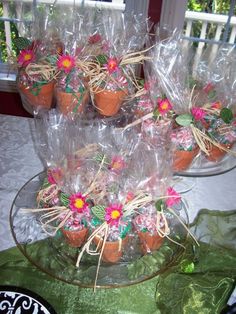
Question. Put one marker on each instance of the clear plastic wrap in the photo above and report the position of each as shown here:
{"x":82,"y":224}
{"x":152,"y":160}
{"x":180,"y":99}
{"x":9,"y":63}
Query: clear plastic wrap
{"x":192,"y":114}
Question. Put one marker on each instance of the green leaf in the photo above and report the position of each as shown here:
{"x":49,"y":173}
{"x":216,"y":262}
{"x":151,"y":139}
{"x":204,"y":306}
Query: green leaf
{"x":52,"y":59}
{"x":99,"y":211}
{"x":22,"y":43}
{"x":64,"y":198}
{"x":102,"y":157}
{"x":156,"y":113}
{"x":226,"y":115}
{"x":159,"y":205}
{"x":211,"y":94}
{"x":187,"y":266}
{"x":184,"y":119}
{"x":102,"y":59}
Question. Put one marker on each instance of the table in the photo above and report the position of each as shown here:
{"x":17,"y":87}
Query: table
{"x":19,"y":162}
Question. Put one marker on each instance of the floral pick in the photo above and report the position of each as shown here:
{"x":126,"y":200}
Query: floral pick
{"x":77,"y":203}
{"x":164,"y":106}
{"x":112,"y":65}
{"x":111,"y":214}
{"x":25,"y":57}
{"x":66,"y":63}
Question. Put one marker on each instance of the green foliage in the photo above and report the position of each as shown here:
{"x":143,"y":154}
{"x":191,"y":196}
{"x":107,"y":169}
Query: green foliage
{"x":184,"y":119}
{"x":226,"y":115}
{"x":99,"y":212}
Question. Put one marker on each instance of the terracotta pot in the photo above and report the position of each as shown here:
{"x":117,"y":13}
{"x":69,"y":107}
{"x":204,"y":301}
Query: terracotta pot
{"x":75,"y":238}
{"x":68,"y":102}
{"x":183,"y":158}
{"x":111,"y":253}
{"x":44,"y":98}
{"x":149,"y":242}
{"x":109,"y":102}
{"x":216,"y":154}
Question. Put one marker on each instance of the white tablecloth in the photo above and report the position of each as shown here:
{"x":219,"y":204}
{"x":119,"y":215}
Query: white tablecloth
{"x":19,"y":162}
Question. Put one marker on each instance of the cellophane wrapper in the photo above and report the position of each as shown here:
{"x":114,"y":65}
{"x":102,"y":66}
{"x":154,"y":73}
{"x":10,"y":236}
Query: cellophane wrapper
{"x":107,"y":167}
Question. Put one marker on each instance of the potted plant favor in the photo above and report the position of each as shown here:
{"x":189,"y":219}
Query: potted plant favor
{"x":71,"y":91}
{"x":75,"y":229}
{"x":151,"y":223}
{"x":185,"y":148}
{"x":223,"y":131}
{"x":36,"y":76}
{"x":111,"y":231}
{"x":112,"y":88}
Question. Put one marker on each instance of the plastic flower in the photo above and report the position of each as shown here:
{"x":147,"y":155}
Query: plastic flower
{"x":66,"y":63}
{"x":216,"y":105}
{"x":112,"y":65}
{"x":96,"y":38}
{"x":54,"y":175}
{"x":78,"y":203}
{"x":198,"y":113}
{"x":117,"y":164}
{"x":174,"y":197}
{"x":129,"y":197}
{"x":209,"y":87}
{"x":164,"y":106}
{"x":113,"y":214}
{"x":25,"y":57}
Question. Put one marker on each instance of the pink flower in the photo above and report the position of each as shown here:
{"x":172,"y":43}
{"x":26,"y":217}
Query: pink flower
{"x":198,"y":113}
{"x":174,"y":197}
{"x":78,"y":203}
{"x":66,"y":63}
{"x":113,"y":214}
{"x":117,"y":164}
{"x":54,"y":175}
{"x":112,"y":65}
{"x":164,"y":106}
{"x":129,"y":197}
{"x":209,"y":87}
{"x":96,"y":38}
{"x":25,"y":57}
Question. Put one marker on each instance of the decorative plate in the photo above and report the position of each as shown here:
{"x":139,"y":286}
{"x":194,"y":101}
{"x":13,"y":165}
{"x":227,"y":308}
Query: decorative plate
{"x":16,"y":300}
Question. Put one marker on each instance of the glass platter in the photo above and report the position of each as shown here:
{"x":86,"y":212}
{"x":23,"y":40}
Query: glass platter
{"x":55,"y":257}
{"x":201,"y":167}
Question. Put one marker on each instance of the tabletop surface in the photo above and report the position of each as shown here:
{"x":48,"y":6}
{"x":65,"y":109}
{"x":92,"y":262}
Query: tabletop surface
{"x":19,"y":162}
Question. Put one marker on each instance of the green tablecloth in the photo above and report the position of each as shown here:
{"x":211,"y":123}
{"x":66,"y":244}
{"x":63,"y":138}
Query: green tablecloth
{"x":182,"y":289}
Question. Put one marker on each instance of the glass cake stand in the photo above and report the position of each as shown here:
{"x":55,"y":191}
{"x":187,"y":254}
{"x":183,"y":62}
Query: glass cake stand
{"x":55,"y":257}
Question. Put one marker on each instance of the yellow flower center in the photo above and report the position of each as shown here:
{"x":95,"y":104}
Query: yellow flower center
{"x":116,"y":165}
{"x":66,"y":63}
{"x":164,"y":105}
{"x":112,"y":65}
{"x":115,"y":214}
{"x":27,"y":57}
{"x":79,"y":203}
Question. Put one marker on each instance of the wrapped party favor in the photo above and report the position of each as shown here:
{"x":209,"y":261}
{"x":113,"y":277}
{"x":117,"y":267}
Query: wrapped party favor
{"x":106,"y":205}
{"x":191,"y":120}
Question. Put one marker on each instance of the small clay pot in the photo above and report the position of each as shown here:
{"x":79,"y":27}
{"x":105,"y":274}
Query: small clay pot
{"x":112,"y":252}
{"x":109,"y":102}
{"x":149,"y":242}
{"x":68,"y":102}
{"x":216,"y":154}
{"x":183,"y":158}
{"x":44,"y":99}
{"x":75,"y":238}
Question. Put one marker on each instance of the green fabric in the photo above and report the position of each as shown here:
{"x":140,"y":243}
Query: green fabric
{"x":200,"y":282}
